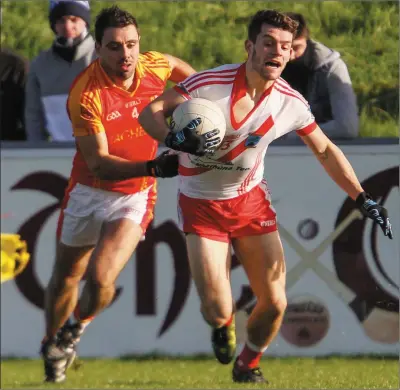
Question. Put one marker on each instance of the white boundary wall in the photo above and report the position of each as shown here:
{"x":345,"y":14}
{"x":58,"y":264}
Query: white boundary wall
{"x":308,"y":204}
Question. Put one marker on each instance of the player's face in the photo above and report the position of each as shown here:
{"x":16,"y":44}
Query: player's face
{"x":119,"y":51}
{"x":271,"y":51}
{"x":69,"y":26}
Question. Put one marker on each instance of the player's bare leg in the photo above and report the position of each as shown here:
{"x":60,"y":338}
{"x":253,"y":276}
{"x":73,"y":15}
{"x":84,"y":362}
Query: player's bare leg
{"x":118,"y":240}
{"x":263,"y":261}
{"x":210,"y":268}
{"x":63,"y":289}
{"x":60,"y":300}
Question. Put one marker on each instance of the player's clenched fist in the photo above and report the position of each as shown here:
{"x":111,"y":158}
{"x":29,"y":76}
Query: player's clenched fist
{"x":186,"y":140}
{"x":376,"y":212}
{"x":165,"y":165}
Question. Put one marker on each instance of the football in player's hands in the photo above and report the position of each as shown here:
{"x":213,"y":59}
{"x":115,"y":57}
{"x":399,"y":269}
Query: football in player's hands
{"x":187,"y":140}
{"x":206,"y":113}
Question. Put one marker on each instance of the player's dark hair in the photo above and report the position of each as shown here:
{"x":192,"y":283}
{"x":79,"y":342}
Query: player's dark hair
{"x":302,"y":30}
{"x":113,"y":17}
{"x":273,"y":18}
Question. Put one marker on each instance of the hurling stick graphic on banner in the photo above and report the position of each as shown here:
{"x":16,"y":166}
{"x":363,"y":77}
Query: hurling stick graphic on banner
{"x":378,"y":325}
{"x":308,"y":258}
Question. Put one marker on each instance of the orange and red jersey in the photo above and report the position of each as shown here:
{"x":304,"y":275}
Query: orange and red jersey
{"x":95,"y":104}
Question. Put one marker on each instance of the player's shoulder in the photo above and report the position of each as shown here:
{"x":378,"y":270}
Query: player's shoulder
{"x":227,"y":70}
{"x":212,"y":78}
{"x":153,"y":58}
{"x":87,"y":81}
{"x":154,"y":63}
{"x":288,"y":95}
{"x":225,"y":67}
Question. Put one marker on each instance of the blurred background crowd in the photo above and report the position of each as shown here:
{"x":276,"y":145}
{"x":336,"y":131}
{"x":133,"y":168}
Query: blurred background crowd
{"x":345,"y":59}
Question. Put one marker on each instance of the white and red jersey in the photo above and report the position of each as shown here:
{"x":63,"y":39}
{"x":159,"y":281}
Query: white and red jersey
{"x":238,"y":164}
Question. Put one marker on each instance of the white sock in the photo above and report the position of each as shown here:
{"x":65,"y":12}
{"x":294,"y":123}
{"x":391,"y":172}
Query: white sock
{"x":255,"y":348}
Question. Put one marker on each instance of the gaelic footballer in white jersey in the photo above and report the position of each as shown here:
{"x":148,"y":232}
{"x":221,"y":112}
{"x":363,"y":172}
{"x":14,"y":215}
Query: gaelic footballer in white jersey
{"x":238,"y":164}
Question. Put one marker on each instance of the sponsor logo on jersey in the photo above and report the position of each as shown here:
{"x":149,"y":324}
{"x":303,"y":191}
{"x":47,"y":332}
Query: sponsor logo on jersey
{"x":113,"y":115}
{"x":252,"y":141}
{"x":133,"y":103}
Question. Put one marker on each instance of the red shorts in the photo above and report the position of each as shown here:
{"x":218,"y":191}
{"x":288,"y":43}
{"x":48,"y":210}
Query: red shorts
{"x":221,"y":220}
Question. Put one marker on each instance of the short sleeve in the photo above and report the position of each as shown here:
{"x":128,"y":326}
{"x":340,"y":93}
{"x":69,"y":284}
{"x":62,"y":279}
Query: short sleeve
{"x":156,"y":63}
{"x":185,"y":88}
{"x":84,"y":110}
{"x":206,"y":83}
{"x":305,"y":123}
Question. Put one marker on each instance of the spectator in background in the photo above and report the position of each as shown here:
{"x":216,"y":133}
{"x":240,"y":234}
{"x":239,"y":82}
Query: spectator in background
{"x":13,"y":70}
{"x":321,"y":76}
{"x":54,"y":70}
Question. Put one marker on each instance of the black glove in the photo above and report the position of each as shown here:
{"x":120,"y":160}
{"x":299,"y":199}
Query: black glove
{"x":186,"y":140}
{"x":376,"y":212}
{"x":165,"y":165}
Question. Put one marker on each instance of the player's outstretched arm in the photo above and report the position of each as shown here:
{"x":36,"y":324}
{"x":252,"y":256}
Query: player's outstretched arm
{"x":105,"y":166}
{"x":91,"y":140}
{"x":339,"y":169}
{"x":153,"y":116}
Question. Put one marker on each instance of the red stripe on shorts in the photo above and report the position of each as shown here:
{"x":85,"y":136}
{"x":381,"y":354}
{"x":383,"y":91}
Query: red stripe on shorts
{"x":70,"y":186}
{"x":149,"y":214}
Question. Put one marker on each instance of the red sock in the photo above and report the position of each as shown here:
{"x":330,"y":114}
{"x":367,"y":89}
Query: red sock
{"x":248,"y":359}
{"x":229,"y":321}
{"x":78,"y":318}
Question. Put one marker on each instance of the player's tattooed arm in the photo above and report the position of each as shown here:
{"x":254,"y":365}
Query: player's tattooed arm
{"x":322,"y":156}
{"x":334,"y":162}
{"x":321,"y":151}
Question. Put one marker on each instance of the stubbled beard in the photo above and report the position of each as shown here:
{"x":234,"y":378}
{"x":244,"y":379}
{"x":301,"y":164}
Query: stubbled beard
{"x":258,"y":66}
{"x":117,"y":73}
{"x":123,"y":75}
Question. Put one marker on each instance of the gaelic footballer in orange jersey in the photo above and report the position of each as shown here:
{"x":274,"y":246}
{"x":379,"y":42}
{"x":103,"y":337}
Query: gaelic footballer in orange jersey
{"x":110,"y":199}
{"x":105,"y":107}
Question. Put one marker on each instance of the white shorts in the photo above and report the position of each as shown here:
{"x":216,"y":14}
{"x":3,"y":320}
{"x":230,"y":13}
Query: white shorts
{"x":87,"y":208}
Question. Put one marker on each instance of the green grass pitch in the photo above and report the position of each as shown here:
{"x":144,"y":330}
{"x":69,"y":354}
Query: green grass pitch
{"x":206,"y":373}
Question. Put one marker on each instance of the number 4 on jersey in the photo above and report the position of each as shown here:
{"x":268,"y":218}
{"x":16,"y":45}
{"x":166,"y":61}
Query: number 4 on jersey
{"x":135,"y":113}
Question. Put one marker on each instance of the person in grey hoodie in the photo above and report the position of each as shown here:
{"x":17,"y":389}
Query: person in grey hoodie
{"x":53,"y":71}
{"x":321,"y":76}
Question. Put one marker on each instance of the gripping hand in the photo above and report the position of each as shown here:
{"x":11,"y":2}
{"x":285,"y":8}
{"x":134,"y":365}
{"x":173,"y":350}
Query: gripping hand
{"x":186,"y":140}
{"x":165,"y":165}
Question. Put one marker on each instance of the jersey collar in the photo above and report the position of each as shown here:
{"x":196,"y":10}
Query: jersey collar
{"x":239,"y":90}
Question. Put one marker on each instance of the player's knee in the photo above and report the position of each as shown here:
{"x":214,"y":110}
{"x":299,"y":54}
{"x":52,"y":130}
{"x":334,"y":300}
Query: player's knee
{"x":67,"y":275}
{"x":102,"y":280}
{"x":64,"y":280}
{"x":216,"y":314}
{"x":280,"y":305}
{"x":274,"y":305}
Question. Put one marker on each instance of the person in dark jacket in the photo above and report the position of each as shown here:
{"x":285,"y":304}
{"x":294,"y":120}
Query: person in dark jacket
{"x":321,"y":76}
{"x":13,"y":70}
